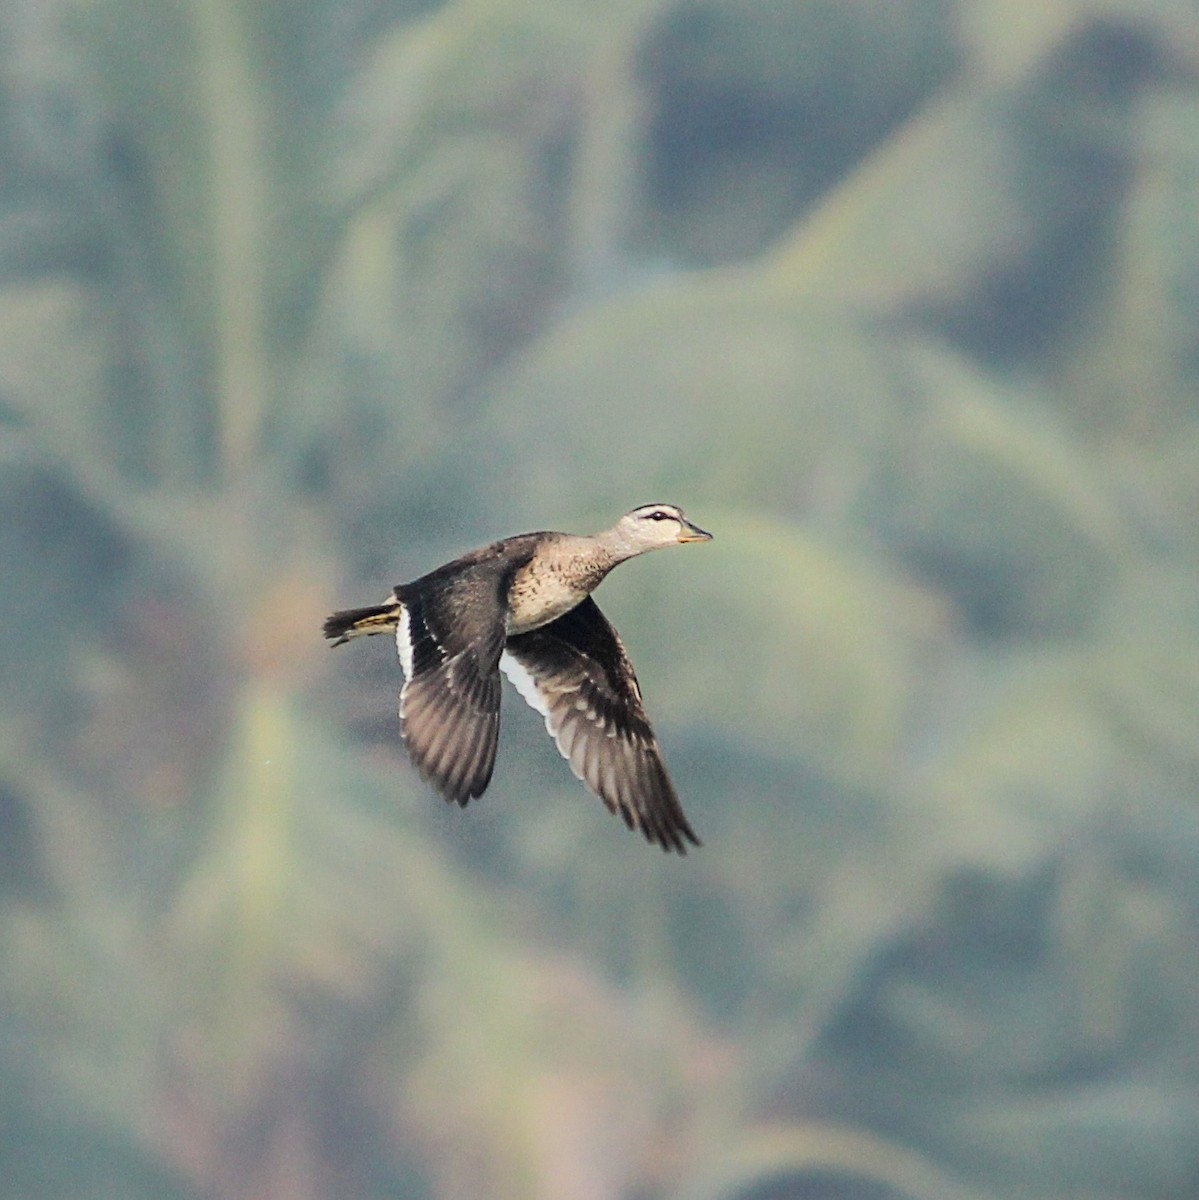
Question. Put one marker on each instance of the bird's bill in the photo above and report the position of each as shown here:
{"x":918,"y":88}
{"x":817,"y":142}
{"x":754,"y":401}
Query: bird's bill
{"x":693,"y":533}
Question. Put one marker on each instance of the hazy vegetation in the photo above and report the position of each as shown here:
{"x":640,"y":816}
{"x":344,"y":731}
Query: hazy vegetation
{"x":299,"y":299}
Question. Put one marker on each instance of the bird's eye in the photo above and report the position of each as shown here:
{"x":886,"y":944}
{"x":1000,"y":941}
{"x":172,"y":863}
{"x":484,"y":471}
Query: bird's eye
{"x":657,"y":515}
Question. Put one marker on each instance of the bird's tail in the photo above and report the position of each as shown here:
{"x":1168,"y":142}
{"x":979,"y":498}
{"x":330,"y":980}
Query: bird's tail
{"x":362,"y":622}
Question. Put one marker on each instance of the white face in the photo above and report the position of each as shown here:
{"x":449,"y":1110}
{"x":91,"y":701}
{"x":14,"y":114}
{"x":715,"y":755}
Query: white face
{"x":653,"y":525}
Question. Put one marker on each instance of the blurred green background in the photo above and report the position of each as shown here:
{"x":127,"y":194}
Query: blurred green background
{"x":299,"y":298}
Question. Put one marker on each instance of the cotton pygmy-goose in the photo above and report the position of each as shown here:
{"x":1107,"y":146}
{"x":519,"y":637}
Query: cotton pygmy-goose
{"x":523,"y":605}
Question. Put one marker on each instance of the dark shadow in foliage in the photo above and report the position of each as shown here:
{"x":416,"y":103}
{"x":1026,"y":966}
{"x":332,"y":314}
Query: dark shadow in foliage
{"x":817,"y":1185}
{"x":752,"y":111}
{"x":48,"y":1153}
{"x":1070,"y":158}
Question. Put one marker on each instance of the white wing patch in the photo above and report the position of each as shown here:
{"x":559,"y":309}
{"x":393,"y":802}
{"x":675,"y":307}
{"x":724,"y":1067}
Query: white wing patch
{"x":404,"y":642}
{"x":404,"y":649}
{"x":525,"y":684}
{"x":564,"y":735}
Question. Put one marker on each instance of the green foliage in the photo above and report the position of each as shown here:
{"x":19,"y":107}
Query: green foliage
{"x":298,"y":300}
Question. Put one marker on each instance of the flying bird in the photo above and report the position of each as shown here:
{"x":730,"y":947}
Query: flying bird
{"x":523,"y":606}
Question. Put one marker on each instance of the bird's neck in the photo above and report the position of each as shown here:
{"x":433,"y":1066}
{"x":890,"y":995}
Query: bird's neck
{"x":611,"y":548}
{"x":593,"y":557}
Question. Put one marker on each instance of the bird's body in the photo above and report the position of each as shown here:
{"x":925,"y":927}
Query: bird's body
{"x":523,"y":605}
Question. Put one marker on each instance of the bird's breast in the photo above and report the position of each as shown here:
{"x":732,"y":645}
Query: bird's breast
{"x":539,"y":595}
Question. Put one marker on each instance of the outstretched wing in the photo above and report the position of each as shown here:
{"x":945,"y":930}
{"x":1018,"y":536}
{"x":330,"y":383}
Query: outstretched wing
{"x":575,"y":672}
{"x":449,"y":637}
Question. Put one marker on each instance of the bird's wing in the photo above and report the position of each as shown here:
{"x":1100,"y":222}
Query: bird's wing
{"x":449,"y":637}
{"x":575,"y":672}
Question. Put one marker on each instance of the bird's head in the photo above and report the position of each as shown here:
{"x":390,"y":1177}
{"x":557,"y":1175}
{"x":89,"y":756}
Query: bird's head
{"x":651,"y":526}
